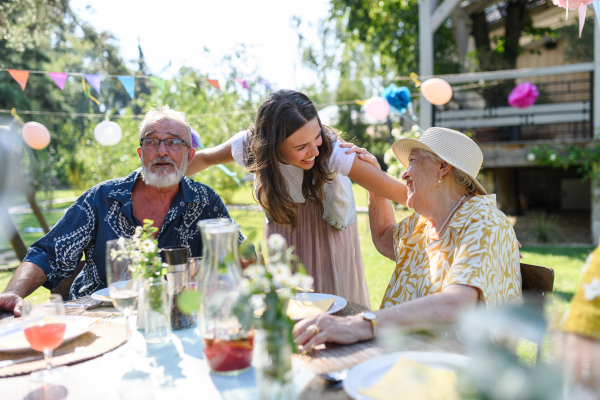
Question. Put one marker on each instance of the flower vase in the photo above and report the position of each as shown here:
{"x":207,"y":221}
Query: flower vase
{"x":273,"y":364}
{"x":157,"y":311}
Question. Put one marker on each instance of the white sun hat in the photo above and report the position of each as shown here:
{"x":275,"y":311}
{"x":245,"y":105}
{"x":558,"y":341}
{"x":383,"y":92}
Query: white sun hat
{"x":454,"y":147}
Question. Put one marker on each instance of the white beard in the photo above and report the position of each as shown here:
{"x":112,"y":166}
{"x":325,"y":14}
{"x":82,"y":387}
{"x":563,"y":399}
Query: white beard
{"x":161,"y":179}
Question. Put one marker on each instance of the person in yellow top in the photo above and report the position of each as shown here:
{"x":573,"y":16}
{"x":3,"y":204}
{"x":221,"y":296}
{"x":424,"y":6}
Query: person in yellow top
{"x":455,"y":251}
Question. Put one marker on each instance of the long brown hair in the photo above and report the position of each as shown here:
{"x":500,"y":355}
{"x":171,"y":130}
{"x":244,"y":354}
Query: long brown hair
{"x":277,"y":118}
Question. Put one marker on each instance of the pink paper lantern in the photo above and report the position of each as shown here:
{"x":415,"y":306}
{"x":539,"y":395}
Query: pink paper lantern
{"x":573,"y":4}
{"x":36,"y":135}
{"x":436,"y":91}
{"x":377,"y":107}
{"x":523,"y":95}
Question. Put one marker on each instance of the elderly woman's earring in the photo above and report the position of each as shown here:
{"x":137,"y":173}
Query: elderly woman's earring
{"x":441,"y":180}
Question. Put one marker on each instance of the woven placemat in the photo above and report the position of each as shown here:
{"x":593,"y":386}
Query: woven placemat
{"x":351,"y":309}
{"x":102,"y":338}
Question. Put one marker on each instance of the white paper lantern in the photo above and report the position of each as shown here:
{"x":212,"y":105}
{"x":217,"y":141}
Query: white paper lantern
{"x":36,"y":135}
{"x":108,"y":133}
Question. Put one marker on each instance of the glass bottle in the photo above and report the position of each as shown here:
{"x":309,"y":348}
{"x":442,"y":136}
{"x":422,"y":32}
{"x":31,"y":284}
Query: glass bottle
{"x":157,"y":316}
{"x":227,"y":345}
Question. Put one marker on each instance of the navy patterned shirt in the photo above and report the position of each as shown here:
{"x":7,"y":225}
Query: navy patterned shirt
{"x":105,"y":212}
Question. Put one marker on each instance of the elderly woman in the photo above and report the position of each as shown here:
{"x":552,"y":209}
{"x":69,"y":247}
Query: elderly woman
{"x":456,"y":250}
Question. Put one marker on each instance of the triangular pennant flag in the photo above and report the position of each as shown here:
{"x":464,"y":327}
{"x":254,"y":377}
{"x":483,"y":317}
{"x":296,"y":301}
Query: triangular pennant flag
{"x":19,"y":76}
{"x":214,"y":83}
{"x":266,"y":83}
{"x":243,"y":83}
{"x":128,"y":83}
{"x":94,"y":81}
{"x":582,"y":10}
{"x":159,"y":82}
{"x":59,"y":78}
{"x":189,"y":83}
{"x":596,"y":5}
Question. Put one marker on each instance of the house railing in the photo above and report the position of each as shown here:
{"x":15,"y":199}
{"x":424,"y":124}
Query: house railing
{"x":564,"y":109}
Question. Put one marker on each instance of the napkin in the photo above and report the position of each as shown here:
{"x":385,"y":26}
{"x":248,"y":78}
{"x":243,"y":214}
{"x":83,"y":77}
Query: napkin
{"x":15,"y":339}
{"x":298,"y":309}
{"x":412,"y":380}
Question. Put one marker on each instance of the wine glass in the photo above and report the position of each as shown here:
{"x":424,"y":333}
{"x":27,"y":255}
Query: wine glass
{"x":122,"y":287}
{"x":44,"y":327}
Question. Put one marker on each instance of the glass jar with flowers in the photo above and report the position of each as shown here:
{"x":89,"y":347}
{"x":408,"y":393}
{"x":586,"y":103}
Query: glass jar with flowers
{"x":267,"y":289}
{"x":154,"y":312}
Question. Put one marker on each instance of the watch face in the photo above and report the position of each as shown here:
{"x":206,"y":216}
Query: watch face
{"x":369,"y":315}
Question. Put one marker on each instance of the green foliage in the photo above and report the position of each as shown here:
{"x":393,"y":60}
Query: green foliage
{"x":578,"y":49}
{"x":188,"y":301}
{"x":543,"y":226}
{"x":585,"y":158}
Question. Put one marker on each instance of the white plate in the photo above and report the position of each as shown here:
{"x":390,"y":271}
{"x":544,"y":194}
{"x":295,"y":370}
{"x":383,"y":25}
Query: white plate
{"x":338,"y":304}
{"x":368,"y":373}
{"x":105,"y":292}
{"x":12,"y":337}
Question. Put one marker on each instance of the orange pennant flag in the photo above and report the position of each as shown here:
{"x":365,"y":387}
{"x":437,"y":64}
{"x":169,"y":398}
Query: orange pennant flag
{"x":19,"y":76}
{"x":214,"y":83}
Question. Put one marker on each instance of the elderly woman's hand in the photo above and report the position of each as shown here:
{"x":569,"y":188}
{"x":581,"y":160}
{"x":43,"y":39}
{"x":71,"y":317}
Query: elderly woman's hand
{"x":323,"y":328}
{"x":362,"y":153}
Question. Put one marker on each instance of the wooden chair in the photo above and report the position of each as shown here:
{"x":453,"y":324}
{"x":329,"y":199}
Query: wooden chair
{"x":537,"y":284}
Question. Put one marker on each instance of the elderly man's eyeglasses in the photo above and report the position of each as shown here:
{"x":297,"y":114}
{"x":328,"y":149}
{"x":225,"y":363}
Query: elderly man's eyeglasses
{"x":171,"y":143}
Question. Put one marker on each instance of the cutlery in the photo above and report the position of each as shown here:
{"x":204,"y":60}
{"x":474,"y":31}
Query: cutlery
{"x":8,"y":363}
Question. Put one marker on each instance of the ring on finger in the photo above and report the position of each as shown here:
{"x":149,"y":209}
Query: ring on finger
{"x":315,"y":329}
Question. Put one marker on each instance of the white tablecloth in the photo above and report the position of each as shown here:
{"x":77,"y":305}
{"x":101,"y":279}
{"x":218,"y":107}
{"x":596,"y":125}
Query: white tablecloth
{"x":175,"y":370}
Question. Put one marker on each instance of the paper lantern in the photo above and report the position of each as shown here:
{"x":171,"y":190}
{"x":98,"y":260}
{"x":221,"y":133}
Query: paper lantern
{"x":36,"y":135}
{"x":523,"y":95}
{"x":436,"y":91}
{"x":398,"y":97}
{"x":108,"y":133}
{"x":377,"y":108}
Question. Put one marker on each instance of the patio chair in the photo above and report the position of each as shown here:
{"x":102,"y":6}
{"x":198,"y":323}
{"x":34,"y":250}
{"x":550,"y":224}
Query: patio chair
{"x":64,"y":287}
{"x":537,"y":283}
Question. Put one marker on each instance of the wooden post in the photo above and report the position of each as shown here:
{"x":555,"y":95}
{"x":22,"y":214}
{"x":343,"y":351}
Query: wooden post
{"x":595,"y":217}
{"x":425,"y":58}
{"x":14,"y":237}
{"x":29,"y":194}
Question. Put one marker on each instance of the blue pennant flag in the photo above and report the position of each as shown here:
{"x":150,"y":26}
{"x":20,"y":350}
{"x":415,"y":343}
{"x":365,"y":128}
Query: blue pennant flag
{"x":129,"y":84}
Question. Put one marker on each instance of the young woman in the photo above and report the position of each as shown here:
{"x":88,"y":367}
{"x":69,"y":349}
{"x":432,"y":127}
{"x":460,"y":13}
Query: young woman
{"x":301,"y":181}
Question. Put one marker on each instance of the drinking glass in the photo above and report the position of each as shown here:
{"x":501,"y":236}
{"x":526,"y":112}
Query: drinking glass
{"x":123,"y":289}
{"x":44,"y":327}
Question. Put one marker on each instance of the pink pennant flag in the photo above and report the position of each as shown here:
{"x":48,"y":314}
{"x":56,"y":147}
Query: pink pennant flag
{"x":93,"y":80}
{"x":59,"y":78}
{"x":243,"y":82}
{"x":582,"y":10}
{"x":266,"y":83}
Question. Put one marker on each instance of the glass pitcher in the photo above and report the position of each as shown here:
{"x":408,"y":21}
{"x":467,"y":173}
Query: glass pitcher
{"x":227,"y":345}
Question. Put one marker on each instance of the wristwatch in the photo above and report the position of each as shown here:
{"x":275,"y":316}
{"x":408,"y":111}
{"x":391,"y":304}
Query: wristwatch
{"x":372,"y":318}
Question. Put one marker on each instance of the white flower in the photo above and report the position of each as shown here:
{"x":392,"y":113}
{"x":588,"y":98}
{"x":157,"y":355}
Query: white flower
{"x":552,"y":157}
{"x":245,"y":287}
{"x":148,"y":246}
{"x":592,"y":289}
{"x":255,"y":271}
{"x":113,"y":254}
{"x":138,"y":231}
{"x":279,"y":270}
{"x":276,"y":241}
{"x":284,"y":293}
{"x":531,"y":157}
{"x":305,"y":282}
{"x":121,"y":241}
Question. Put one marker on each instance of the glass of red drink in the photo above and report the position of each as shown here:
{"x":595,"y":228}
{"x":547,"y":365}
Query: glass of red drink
{"x":44,"y":328}
{"x":229,"y":355}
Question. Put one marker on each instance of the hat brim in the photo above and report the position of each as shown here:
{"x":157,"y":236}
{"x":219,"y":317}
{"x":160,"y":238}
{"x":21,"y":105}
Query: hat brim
{"x":403,"y":146}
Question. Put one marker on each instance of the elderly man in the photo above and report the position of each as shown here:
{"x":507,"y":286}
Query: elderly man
{"x":159,"y":191}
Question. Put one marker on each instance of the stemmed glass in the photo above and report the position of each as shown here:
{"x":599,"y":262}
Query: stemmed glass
{"x":44,"y":327}
{"x":122,"y":286}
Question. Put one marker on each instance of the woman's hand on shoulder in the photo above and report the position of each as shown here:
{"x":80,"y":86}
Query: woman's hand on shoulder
{"x":324,"y":328}
{"x":362,"y":153}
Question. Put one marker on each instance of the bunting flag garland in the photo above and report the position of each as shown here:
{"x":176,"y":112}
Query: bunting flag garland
{"x":19,"y":76}
{"x":266,"y":83}
{"x":128,"y":83}
{"x":214,"y":83}
{"x":59,"y":78}
{"x":243,"y":83}
{"x":159,"y":82}
{"x":88,"y":91}
{"x":94,"y":81}
{"x":190,"y":84}
{"x":582,"y":10}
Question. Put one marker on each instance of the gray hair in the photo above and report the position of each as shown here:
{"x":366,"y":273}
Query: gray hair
{"x":165,"y":112}
{"x":461,"y":177}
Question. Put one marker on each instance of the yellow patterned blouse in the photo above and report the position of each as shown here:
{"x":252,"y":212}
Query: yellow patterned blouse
{"x":479,"y":249}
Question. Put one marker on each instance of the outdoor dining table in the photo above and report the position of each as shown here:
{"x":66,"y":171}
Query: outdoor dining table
{"x":178,"y":369}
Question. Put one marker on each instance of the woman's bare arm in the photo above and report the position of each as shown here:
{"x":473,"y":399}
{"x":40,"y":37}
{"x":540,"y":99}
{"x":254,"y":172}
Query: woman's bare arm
{"x":203,"y":159}
{"x":375,"y":180}
{"x":382,"y":223}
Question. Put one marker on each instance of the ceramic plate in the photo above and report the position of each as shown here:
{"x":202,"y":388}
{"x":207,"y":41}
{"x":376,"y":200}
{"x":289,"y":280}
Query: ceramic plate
{"x":12,"y":337}
{"x":104,"y":295}
{"x":367,"y":373}
{"x":338,"y":304}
